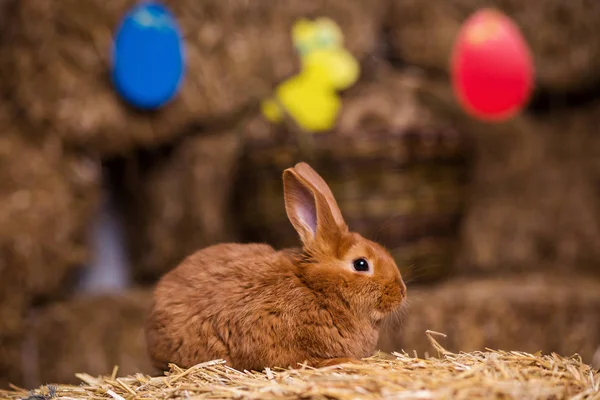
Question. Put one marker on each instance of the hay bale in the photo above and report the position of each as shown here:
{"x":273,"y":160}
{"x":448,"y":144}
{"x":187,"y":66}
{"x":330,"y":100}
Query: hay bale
{"x":47,"y":197}
{"x":481,"y":375}
{"x":5,"y":12}
{"x":91,"y":334}
{"x":524,"y":313}
{"x":534,"y":196}
{"x":58,"y":59}
{"x":564,"y":37}
{"x":14,"y":295}
{"x":11,"y":368}
{"x":179,"y":202}
{"x":397,"y":173}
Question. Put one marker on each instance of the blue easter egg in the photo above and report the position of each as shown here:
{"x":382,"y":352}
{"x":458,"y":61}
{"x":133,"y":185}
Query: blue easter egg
{"x":148,"y":57}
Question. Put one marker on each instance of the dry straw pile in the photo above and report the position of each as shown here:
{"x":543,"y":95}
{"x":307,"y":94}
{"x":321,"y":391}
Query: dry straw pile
{"x":490,"y":374}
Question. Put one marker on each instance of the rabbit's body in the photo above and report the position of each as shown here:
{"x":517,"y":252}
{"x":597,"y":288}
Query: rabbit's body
{"x":256,"y":307}
{"x":269,"y":317}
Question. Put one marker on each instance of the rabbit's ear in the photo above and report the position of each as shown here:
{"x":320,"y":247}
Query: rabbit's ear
{"x":308,"y":209}
{"x":311,"y":176}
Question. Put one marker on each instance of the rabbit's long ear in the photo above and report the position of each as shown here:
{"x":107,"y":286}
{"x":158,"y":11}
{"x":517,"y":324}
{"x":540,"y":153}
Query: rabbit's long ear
{"x":311,"y":176}
{"x":309,"y":210}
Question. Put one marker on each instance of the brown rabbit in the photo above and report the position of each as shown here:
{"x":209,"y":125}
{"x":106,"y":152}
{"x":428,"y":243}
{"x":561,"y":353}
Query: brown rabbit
{"x":256,"y":307}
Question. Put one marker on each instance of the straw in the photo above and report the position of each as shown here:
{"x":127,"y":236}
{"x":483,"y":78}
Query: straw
{"x":481,"y":374}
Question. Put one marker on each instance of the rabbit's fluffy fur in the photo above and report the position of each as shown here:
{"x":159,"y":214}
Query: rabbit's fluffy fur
{"x":256,"y":307}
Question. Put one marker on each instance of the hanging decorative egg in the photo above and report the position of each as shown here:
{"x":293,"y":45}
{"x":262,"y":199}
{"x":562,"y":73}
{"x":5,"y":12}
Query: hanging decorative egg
{"x":491,"y":67}
{"x":148,"y":57}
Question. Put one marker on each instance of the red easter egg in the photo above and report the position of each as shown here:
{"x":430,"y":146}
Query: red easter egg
{"x":492,"y":67}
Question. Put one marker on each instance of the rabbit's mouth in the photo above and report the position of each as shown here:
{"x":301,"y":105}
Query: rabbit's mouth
{"x":384,"y":309}
{"x":377,"y":316}
{"x":389,"y":312}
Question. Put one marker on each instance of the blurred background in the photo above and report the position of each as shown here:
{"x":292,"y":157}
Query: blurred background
{"x":496,"y":227}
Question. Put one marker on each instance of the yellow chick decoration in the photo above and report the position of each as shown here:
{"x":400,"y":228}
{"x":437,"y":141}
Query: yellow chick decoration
{"x":310,"y":98}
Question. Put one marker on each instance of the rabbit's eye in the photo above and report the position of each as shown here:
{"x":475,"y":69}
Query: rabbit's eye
{"x":361,"y":265}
